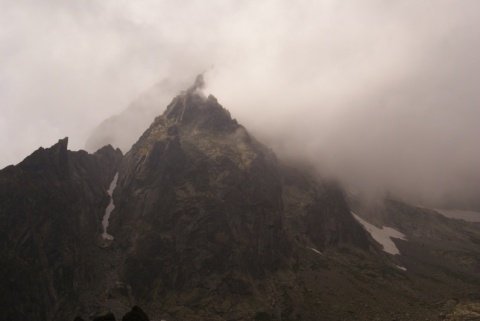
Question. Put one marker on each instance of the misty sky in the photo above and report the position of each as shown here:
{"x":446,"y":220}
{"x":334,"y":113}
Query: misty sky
{"x":380,"y":94}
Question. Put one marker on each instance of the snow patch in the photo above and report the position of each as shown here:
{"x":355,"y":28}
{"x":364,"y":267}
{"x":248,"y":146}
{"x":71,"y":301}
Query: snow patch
{"x":401,"y":267}
{"x":315,"y":250}
{"x":109,"y":209}
{"x":382,"y":235}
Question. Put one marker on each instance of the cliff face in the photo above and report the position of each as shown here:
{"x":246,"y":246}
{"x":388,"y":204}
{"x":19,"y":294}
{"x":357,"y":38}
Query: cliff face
{"x":316,"y":212}
{"x":203,"y":208}
{"x":50,"y":210}
{"x":199,"y":200}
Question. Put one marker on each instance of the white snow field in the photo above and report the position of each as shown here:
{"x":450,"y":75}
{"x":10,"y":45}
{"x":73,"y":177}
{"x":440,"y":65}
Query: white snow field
{"x":382,"y":235}
{"x":109,"y":209}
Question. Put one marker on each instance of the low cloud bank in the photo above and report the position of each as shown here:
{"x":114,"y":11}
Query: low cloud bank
{"x":380,"y":95}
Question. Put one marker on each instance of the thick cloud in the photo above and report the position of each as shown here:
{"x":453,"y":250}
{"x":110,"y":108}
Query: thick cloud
{"x":382,"y":95}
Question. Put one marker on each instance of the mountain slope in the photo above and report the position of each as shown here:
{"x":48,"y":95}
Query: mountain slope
{"x":209,"y":225}
{"x":122,"y":130}
{"x":50,"y":205}
{"x":203,"y":208}
{"x":437,"y":246}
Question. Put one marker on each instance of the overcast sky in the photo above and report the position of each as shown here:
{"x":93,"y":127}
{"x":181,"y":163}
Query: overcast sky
{"x":383,"y":94}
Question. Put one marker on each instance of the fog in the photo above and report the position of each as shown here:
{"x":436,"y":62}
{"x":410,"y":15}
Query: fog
{"x":381,"y":95}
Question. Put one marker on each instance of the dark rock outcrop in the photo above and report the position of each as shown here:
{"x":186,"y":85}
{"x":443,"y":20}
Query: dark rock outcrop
{"x":198,"y":198}
{"x":51,"y":206}
{"x":136,"y":314}
{"x":203,"y":208}
{"x":317,"y":213}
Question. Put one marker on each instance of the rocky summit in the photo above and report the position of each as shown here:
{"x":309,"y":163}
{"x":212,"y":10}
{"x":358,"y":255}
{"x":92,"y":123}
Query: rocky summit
{"x":207,"y":224}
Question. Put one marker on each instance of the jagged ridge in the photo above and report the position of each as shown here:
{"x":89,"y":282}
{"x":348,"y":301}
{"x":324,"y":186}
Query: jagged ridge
{"x":50,"y":206}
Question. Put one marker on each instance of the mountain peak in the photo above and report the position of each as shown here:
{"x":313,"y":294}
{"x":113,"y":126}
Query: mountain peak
{"x":193,"y":109}
{"x":199,"y":84}
{"x":53,"y":159}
